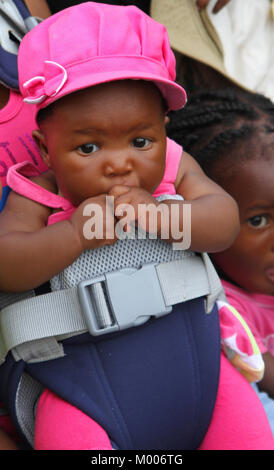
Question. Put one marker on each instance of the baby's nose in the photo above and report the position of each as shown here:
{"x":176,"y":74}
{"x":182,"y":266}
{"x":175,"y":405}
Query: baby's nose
{"x":118,"y":164}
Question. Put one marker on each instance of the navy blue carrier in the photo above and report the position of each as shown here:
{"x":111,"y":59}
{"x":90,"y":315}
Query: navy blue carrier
{"x":150,"y":387}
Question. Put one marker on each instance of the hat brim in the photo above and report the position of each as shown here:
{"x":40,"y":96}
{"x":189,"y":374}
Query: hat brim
{"x":173,"y":93}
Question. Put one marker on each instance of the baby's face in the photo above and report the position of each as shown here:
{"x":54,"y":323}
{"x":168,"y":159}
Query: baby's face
{"x":250,"y":260}
{"x":106,"y":135}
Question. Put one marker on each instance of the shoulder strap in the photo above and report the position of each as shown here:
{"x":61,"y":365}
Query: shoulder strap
{"x":173,"y":158}
{"x":18,"y":180}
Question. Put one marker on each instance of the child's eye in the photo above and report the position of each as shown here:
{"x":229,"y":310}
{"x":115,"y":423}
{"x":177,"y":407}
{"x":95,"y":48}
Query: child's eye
{"x":141,"y":142}
{"x":88,"y":148}
{"x":258,"y":221}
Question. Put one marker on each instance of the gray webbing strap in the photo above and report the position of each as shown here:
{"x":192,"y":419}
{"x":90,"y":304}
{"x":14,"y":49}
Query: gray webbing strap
{"x":27,"y":394}
{"x":53,"y":314}
{"x":102,"y":311}
{"x":33,"y":328}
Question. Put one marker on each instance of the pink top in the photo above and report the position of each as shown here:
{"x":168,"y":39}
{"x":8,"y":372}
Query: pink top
{"x":18,"y":180}
{"x":258,"y":311}
{"x":17,"y":122}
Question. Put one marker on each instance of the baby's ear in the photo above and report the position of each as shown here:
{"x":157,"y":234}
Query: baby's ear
{"x":167,"y":119}
{"x":40,"y":141}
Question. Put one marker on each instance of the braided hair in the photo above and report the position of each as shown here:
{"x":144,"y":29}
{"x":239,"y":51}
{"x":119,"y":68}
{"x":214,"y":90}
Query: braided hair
{"x":217,"y":127}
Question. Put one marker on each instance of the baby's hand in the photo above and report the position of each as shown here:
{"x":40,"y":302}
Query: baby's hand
{"x":94,"y":222}
{"x":134,"y":205}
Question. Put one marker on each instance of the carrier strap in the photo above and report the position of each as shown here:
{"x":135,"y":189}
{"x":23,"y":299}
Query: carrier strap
{"x":34,"y":328}
{"x":18,"y":180}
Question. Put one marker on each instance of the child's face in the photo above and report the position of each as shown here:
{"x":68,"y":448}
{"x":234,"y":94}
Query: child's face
{"x":106,"y":135}
{"x":250,"y":261}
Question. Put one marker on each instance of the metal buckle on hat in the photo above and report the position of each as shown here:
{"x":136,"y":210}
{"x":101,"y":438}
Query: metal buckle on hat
{"x":121,"y":299}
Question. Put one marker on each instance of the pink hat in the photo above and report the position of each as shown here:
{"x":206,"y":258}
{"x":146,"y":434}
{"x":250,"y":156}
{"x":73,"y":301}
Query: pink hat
{"x":93,"y":43}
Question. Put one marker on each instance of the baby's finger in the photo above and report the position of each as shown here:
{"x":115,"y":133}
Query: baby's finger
{"x":118,"y":190}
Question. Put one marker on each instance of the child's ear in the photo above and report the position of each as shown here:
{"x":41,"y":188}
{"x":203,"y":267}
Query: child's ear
{"x":40,"y":141}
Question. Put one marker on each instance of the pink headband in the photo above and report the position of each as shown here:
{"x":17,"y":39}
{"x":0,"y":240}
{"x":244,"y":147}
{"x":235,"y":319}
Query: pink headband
{"x":93,"y":43}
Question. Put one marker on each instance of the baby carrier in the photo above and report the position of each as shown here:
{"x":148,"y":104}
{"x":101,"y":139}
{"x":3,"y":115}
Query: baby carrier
{"x":129,"y":335}
{"x":15,"y":22}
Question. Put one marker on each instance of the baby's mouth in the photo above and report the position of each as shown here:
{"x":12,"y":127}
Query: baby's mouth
{"x":120,"y":181}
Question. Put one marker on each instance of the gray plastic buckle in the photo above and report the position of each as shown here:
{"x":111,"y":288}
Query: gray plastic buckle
{"x":133,"y":297}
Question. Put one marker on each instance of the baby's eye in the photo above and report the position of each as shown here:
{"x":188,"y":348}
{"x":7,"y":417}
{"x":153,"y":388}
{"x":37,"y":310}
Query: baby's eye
{"x":141,"y":142}
{"x":88,"y":148}
{"x":258,"y":221}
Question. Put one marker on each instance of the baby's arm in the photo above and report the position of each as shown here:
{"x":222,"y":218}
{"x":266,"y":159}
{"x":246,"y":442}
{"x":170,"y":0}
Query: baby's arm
{"x":6,"y":443}
{"x":31,"y":252}
{"x":214,"y":213}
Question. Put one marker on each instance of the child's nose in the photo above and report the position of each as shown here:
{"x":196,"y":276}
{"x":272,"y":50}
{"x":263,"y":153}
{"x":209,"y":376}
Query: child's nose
{"x":118,"y":164}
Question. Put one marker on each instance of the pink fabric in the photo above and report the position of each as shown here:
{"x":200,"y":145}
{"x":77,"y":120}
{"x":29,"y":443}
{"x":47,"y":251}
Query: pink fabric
{"x":239,"y":343}
{"x":17,"y":121}
{"x":117,"y":43}
{"x":18,"y":179}
{"x":173,"y":158}
{"x":258,"y":311}
{"x":238,"y":422}
{"x":61,"y":426}
{"x":230,"y":327}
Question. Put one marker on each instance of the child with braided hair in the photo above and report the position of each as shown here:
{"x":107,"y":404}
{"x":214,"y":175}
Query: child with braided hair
{"x":231,"y":135}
